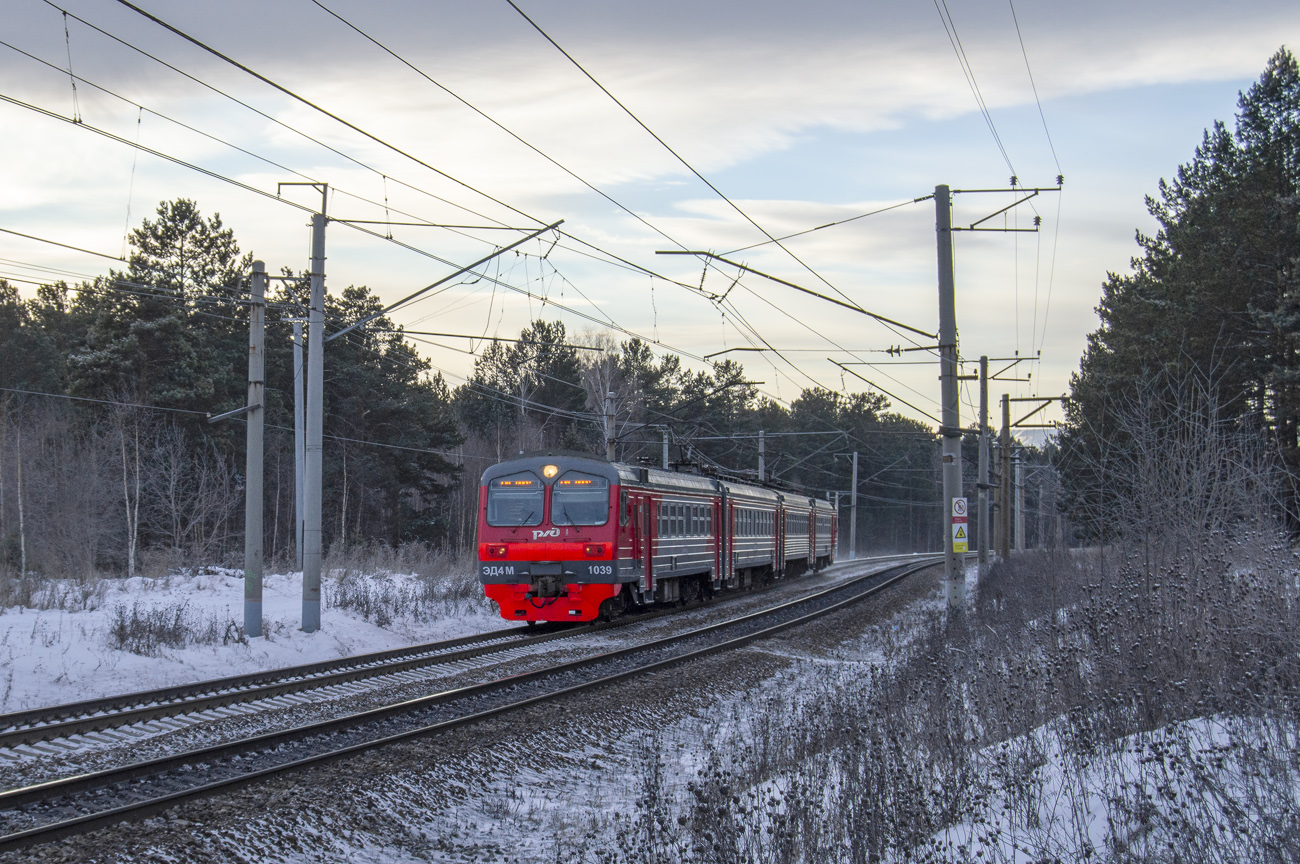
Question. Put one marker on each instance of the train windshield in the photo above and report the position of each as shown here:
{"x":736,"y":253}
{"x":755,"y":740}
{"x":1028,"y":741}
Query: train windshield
{"x":580,"y":499}
{"x":515,"y":500}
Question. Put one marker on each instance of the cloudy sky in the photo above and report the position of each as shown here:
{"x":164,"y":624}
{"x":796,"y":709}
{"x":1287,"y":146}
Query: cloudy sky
{"x":801,"y":114}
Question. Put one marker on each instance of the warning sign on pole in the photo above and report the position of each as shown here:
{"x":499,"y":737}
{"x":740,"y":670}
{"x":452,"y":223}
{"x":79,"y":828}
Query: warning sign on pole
{"x":959,"y":538}
{"x":960,"y":532}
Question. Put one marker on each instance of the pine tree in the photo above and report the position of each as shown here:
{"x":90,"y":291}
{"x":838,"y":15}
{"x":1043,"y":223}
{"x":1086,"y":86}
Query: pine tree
{"x":1215,"y":292}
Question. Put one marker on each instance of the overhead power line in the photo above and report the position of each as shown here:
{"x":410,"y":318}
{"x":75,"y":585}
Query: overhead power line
{"x":883,"y":390}
{"x":1034,"y":86}
{"x":215,"y":175}
{"x":488,"y":117}
{"x":855,"y":307}
{"x":64,"y":245}
{"x":832,"y":224}
{"x":256,"y":111}
{"x":206,"y":414}
{"x":305,"y":101}
{"x":950,"y":28}
{"x":689,"y":167}
{"x":535,"y":149}
{"x":426,"y":289}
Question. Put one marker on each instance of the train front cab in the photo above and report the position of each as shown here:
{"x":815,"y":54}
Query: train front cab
{"x":549,"y":537}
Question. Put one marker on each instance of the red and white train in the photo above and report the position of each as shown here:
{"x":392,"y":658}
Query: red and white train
{"x":568,"y":537}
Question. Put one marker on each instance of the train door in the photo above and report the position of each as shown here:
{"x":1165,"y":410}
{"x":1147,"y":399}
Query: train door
{"x":721,"y":536}
{"x":648,"y":524}
{"x":729,"y":569}
{"x":778,"y":567}
{"x":812,"y":537}
{"x":643,"y":541}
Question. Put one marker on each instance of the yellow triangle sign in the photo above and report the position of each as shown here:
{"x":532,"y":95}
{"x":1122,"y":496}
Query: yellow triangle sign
{"x":961,"y":533}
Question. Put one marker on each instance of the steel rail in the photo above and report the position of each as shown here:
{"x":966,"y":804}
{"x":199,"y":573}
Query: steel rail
{"x":35,"y":725}
{"x":81,"y":824}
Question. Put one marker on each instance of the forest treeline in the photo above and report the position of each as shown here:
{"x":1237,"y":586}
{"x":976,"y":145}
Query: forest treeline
{"x":109,"y":466}
{"x":1212,"y":304}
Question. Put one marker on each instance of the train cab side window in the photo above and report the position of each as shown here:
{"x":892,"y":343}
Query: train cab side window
{"x":624,"y":508}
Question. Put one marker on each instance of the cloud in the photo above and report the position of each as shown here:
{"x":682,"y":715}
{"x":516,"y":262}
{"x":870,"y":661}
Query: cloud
{"x":803,"y":113}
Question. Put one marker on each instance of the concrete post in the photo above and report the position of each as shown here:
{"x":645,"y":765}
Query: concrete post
{"x":1020,"y":502}
{"x":1004,"y":482}
{"x":253,"y":455}
{"x":609,"y":426}
{"x":983,"y":486}
{"x":853,"y":512}
{"x":762,"y":467}
{"x":311,"y":558}
{"x":299,"y":448}
{"x":954,"y":565}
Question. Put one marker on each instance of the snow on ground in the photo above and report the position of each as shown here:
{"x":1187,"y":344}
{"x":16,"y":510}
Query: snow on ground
{"x":57,"y":655}
{"x":1135,"y":795}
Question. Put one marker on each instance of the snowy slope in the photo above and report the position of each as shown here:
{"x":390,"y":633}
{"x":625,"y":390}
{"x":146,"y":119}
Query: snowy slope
{"x":56,"y":655}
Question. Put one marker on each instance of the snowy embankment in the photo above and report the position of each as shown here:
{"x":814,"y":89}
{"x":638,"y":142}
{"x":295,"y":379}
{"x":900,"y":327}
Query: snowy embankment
{"x":119,"y":636}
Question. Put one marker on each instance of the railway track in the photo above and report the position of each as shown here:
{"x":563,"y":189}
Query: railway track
{"x":115,"y":720}
{"x":29,"y":732}
{"x":60,"y":808}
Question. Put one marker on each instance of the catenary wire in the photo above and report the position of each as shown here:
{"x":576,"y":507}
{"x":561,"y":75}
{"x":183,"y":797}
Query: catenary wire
{"x":206,"y":414}
{"x":271,"y":118}
{"x":354,"y":226}
{"x":291,"y":94}
{"x":1034,"y":86}
{"x":249,"y":188}
{"x":667,"y":147}
{"x":830,"y":224}
{"x":950,"y":28}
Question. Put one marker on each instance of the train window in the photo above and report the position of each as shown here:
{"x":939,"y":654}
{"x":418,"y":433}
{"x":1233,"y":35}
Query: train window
{"x":681,"y":520}
{"x":624,"y":508}
{"x":515,"y":500}
{"x":580,"y":499}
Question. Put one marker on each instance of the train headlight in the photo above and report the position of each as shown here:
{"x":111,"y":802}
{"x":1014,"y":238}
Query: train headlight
{"x":496,"y":550}
{"x":593,"y":550}
{"x":549,"y":471}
